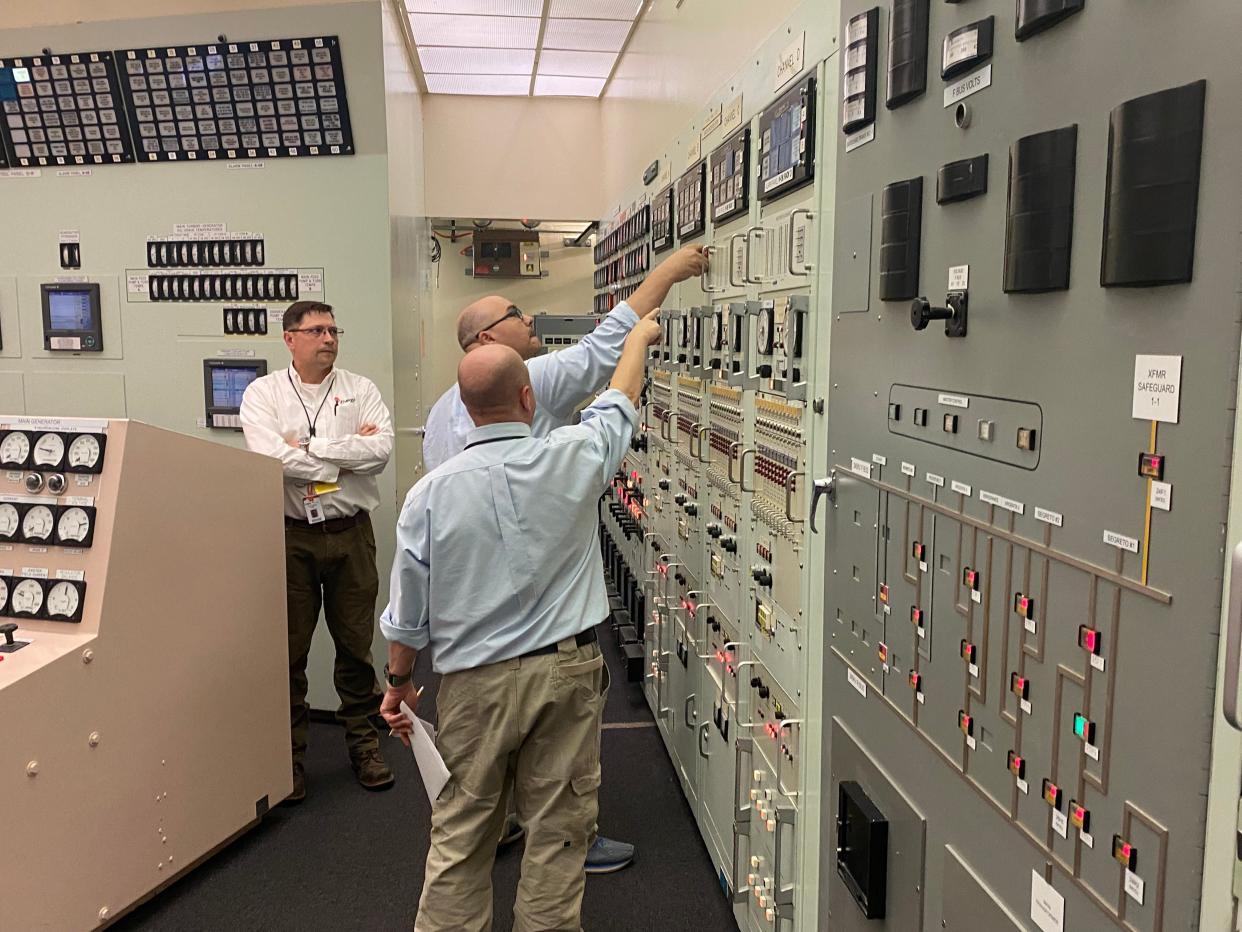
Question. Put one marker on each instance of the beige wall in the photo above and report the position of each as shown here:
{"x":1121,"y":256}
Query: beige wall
{"x":676,"y":60}
{"x":566,"y":290}
{"x":513,"y":157}
{"x":20,"y":14}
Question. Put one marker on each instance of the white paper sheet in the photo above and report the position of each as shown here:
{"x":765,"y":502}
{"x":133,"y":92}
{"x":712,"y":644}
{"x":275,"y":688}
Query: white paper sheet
{"x":430,"y":763}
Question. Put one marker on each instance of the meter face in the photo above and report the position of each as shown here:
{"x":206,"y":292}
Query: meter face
{"x":27,"y":597}
{"x":38,"y":523}
{"x":63,"y":600}
{"x":49,"y":450}
{"x":14,"y":449}
{"x":74,"y":525}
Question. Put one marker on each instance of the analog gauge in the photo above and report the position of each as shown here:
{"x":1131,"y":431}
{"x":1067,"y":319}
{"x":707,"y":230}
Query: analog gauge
{"x":85,"y":452}
{"x":4,"y":595}
{"x":49,"y":450}
{"x":14,"y":449}
{"x":38,"y":524}
{"x":8,"y":521}
{"x":765,"y":334}
{"x":717,"y":330}
{"x":26,"y":598}
{"x":75,"y":527}
{"x":64,"y":601}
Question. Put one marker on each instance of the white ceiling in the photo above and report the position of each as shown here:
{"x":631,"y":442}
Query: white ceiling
{"x":552,"y":48}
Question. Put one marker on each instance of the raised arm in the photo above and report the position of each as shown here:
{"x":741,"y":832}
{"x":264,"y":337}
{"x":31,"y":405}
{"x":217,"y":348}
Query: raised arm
{"x":561,"y":380}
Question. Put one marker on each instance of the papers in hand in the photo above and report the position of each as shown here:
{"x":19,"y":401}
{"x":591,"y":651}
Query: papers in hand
{"x":430,"y":763}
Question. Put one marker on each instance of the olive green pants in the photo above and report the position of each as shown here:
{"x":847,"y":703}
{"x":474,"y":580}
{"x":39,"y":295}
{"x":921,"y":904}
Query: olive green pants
{"x":536,"y":719}
{"x":335,"y":572}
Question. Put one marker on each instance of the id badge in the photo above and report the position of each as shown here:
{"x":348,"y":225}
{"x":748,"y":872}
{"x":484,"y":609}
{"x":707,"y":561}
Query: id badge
{"x":314,"y":510}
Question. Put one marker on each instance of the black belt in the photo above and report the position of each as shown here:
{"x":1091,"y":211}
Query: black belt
{"x":582,"y":639}
{"x":330,"y":526}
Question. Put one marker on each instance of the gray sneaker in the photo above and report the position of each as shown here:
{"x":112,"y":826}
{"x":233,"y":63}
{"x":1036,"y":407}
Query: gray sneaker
{"x":607,"y":856}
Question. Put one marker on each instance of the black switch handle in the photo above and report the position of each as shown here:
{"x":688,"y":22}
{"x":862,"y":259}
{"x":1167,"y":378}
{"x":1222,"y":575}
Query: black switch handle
{"x":8,"y":630}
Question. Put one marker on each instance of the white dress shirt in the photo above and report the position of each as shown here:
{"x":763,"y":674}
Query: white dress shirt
{"x":498,"y":550}
{"x":561,"y":381}
{"x":280,"y":406}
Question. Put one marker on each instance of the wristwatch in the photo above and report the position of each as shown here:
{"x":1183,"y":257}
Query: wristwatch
{"x":394,"y":680}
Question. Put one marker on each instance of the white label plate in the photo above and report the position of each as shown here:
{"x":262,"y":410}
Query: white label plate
{"x":732,"y":115}
{"x":1026,"y":706}
{"x":1091,"y":751}
{"x":857,"y":682}
{"x":907,"y":469}
{"x":1098,"y":662}
{"x":1162,"y":495}
{"x":970,"y":742}
{"x":971,"y":84}
{"x":1157,"y":388}
{"x":976,"y":596}
{"x":961,"y":488}
{"x":1134,"y":886}
{"x":1047,"y":906}
{"x":860,"y":467}
{"x":1049,"y":517}
{"x":935,"y":480}
{"x":879,"y":460}
{"x":1022,"y":785}
{"x":1121,"y":542}
{"x":1029,"y":624}
{"x":959,"y":280}
{"x":790,"y":64}
{"x":1060,"y":824}
{"x":860,"y":138}
{"x":1087,"y":839}
{"x":974,"y":670}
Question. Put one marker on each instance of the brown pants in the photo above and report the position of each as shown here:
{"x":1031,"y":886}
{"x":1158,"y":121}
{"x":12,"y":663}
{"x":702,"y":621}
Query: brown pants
{"x":335,"y":572}
{"x":537,"y":719}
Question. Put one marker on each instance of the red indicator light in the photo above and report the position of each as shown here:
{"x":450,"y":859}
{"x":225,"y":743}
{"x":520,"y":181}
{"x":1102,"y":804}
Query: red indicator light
{"x":970,"y":578}
{"x":1125,"y":853}
{"x":884,"y":593}
{"x":965,"y":722}
{"x":1080,"y":816}
{"x":916,"y":615}
{"x":1024,"y":605}
{"x":1089,"y":639}
{"x":1019,"y":685}
{"x":968,"y":651}
{"x":1052,"y":794}
{"x":882,"y":650}
{"x":1017,"y":766}
{"x":916,"y":681}
{"x":919,"y":550}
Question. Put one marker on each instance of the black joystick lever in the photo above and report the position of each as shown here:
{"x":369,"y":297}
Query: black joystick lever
{"x":954,"y":315}
{"x":7,"y":630}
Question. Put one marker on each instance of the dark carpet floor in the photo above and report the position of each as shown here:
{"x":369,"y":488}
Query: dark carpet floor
{"x":347,"y":859}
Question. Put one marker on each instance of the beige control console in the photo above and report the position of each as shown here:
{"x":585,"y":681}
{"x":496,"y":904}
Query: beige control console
{"x":143,"y":661}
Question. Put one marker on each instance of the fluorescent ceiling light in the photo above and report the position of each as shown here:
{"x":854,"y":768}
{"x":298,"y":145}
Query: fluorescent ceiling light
{"x":498,"y":32}
{"x":478,"y":7}
{"x":439,"y":60}
{"x":579,"y":64}
{"x":597,"y":35}
{"x":482,"y":84}
{"x":596,"y":9}
{"x":556,"y":86}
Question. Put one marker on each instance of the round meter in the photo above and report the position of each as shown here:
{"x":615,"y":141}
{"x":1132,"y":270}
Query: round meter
{"x":14,"y":449}
{"x":74,"y":526}
{"x":764,"y":331}
{"x":4,"y":594}
{"x":84,"y":451}
{"x":49,"y":450}
{"x":26,"y":598}
{"x":38,"y":523}
{"x":8,"y":521}
{"x":63,"y":600}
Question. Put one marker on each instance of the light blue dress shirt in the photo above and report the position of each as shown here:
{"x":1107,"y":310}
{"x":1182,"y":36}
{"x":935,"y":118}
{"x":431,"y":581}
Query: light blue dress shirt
{"x":561,"y":381}
{"x":498,"y":549}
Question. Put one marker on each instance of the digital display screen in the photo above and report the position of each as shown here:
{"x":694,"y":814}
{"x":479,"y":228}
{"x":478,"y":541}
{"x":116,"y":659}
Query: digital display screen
{"x":228,"y":384}
{"x":63,"y":110}
{"x":71,"y":310}
{"x":273,"y":98}
{"x":786,"y":144}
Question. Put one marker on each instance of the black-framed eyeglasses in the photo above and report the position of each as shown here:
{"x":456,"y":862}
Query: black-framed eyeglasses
{"x":318,"y":332}
{"x":514,"y":311}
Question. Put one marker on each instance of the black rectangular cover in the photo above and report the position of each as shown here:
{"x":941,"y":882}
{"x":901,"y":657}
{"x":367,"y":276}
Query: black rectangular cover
{"x":1034,"y":16}
{"x":966,"y":47}
{"x":1155,"y":144}
{"x":858,"y":87}
{"x":961,"y":180}
{"x":662,"y":237}
{"x":1039,"y":213}
{"x":862,"y":849}
{"x":907,"y":52}
{"x":901,"y":223}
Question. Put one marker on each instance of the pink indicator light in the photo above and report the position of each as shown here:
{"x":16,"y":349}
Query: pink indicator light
{"x":1125,"y":850}
{"x":1089,"y":640}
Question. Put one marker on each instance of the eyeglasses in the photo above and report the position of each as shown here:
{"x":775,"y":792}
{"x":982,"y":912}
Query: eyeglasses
{"x":514,"y":311}
{"x":319,"y":332}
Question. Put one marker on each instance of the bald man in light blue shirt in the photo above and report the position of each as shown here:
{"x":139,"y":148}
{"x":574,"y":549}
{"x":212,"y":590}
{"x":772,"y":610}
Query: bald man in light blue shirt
{"x":498,"y":572}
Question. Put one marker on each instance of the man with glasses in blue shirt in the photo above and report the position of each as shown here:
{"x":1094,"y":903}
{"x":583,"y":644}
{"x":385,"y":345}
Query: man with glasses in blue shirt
{"x":560,"y":382}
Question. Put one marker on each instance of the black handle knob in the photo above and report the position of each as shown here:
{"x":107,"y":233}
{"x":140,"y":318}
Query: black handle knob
{"x":663,"y":485}
{"x":728,"y":544}
{"x":714,"y":530}
{"x":692,"y":508}
{"x":764,"y":692}
{"x":755,"y":682}
{"x":922,"y":313}
{"x":7,"y":630}
{"x":679,"y":499}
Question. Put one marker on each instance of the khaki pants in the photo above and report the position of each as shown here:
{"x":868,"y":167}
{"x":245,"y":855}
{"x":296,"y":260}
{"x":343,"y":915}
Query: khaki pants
{"x":335,"y":572}
{"x":538,"y":720}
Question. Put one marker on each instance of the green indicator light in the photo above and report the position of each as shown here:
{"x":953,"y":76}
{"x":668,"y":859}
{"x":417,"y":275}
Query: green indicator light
{"x":1080,"y":725}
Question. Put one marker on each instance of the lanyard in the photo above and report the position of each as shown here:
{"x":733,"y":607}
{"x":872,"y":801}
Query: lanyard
{"x":479,"y":443}
{"x":309,"y":423}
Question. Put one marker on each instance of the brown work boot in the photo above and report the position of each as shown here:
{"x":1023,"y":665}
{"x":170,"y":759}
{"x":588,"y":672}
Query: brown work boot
{"x":299,"y":786}
{"x":371,"y":771}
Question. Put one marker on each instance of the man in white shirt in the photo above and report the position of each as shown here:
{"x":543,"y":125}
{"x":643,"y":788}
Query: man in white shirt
{"x":333,"y":434}
{"x":560,"y":381}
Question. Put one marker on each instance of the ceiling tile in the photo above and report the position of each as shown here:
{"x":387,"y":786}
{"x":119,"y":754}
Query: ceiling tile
{"x":581,"y":64}
{"x":484,"y":84}
{"x":554,"y":86}
{"x":599,"y":35}
{"x":438,"y":60}
{"x":494,"y":7}
{"x":596,"y":9}
{"x":501,"y":32}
